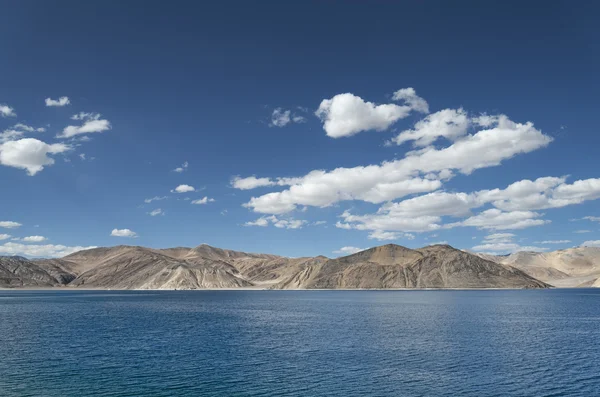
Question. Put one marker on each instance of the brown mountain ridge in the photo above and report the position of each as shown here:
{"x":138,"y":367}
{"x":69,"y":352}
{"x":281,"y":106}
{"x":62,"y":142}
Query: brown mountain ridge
{"x":204,"y":267}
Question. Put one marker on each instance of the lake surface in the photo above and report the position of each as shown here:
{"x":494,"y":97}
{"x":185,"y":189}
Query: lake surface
{"x":300,"y":343}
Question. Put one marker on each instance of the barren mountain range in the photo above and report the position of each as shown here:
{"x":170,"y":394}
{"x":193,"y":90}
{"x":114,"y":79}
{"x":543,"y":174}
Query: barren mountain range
{"x":388,"y":266}
{"x":571,"y":267}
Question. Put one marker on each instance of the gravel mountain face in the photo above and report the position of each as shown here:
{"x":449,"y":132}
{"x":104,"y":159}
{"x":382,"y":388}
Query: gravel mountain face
{"x":206,"y":267}
{"x":393,"y":266}
{"x":18,"y":272}
{"x":572,"y":267}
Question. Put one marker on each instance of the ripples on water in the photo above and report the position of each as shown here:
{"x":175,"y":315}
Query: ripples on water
{"x":300,"y":343}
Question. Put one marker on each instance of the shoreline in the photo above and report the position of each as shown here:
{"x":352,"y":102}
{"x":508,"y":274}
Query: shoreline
{"x":2,"y":289}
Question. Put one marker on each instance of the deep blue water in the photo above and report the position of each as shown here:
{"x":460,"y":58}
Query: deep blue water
{"x":300,"y":343}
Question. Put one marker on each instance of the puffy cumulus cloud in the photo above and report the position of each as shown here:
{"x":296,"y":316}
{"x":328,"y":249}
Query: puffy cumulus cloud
{"x":40,"y":251}
{"x":29,"y":154}
{"x":203,"y":200}
{"x":591,"y":243}
{"x":156,"y":212}
{"x":347,"y":114}
{"x":34,"y":239}
{"x":578,"y":191}
{"x":10,"y":224}
{"x":123,"y":233}
{"x":289,"y":223}
{"x":4,"y":236}
{"x":183,"y":167}
{"x":499,"y":220}
{"x":424,"y":213}
{"x":183,"y":189}
{"x":92,"y":123}
{"x":60,"y":102}
{"x":348,"y":250}
{"x":7,"y":111}
{"x":418,"y":172}
{"x":447,"y":123}
{"x":251,"y":182}
{"x":322,"y":189}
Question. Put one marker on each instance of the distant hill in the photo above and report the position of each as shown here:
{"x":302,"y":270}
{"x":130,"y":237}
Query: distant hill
{"x":572,"y":267}
{"x":387,"y":266}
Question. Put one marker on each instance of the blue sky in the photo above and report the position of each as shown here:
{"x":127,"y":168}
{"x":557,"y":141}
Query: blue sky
{"x":306,"y":127}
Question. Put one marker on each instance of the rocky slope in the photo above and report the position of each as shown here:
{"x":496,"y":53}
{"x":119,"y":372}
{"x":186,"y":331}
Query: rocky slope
{"x":393,"y":266}
{"x":388,"y":266}
{"x":572,"y":267}
{"x":16,"y":271}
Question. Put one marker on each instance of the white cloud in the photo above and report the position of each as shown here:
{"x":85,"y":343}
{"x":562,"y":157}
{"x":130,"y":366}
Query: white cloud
{"x":262,"y":222}
{"x":425,"y":212}
{"x":318,"y":223}
{"x":502,"y":243}
{"x":10,"y":135}
{"x":203,"y":200}
{"x":250,"y":182}
{"x":347,"y":114}
{"x":298,"y":119}
{"x":92,"y":124}
{"x":39,"y":251}
{"x":496,"y":219}
{"x":34,"y":239}
{"x":155,"y":198}
{"x":183,"y":189}
{"x":123,"y":233}
{"x":546,"y":242}
{"x":28,"y":128}
{"x":382,"y":236}
{"x":29,"y":154}
{"x":9,"y":224}
{"x":348,"y":250}
{"x":394,"y":179}
{"x":82,"y":156}
{"x":499,"y":238}
{"x":7,"y":111}
{"x":62,"y":101}
{"x":156,"y":212}
{"x":582,"y":231}
{"x":289,"y":223}
{"x":448,"y":123}
{"x":281,"y":118}
{"x":415,"y":102}
{"x":84,"y":116}
{"x":505,"y":248}
{"x":4,"y":236}
{"x":592,"y":218}
{"x":591,"y":243}
{"x":183,"y":167}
